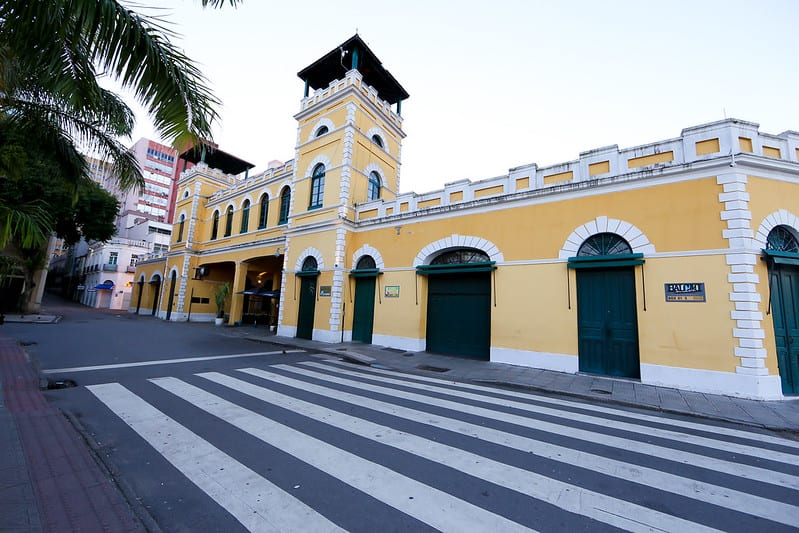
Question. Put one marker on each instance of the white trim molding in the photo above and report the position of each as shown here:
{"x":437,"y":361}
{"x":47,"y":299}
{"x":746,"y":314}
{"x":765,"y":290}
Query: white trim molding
{"x":309,"y":252}
{"x":321,"y":122}
{"x":783,"y":217}
{"x":636,"y":238}
{"x":371,"y":251}
{"x":454,"y":242}
{"x":321,"y":158}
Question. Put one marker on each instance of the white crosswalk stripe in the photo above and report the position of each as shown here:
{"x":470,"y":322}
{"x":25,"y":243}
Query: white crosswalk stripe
{"x":623,"y":469}
{"x":254,"y":501}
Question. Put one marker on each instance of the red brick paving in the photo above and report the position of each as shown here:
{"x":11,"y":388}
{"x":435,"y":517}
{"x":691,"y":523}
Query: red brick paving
{"x":72,"y":492}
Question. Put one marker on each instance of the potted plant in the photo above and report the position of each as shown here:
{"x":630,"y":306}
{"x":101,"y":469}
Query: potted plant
{"x":220,"y":297}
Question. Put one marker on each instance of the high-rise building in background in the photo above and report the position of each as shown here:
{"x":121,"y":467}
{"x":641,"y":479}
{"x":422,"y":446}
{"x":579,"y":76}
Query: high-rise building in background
{"x":99,"y":274}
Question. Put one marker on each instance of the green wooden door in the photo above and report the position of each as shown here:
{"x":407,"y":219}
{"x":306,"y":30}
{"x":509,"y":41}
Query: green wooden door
{"x":785,"y":310}
{"x":607,"y":325}
{"x":459,"y":314}
{"x":307,"y":305}
{"x":156,"y":285}
{"x":364,"y":313}
{"x":171,"y":298}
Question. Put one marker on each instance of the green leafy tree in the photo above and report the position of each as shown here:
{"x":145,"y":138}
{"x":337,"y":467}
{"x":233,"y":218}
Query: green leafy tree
{"x":34,"y":195}
{"x":52,"y":53}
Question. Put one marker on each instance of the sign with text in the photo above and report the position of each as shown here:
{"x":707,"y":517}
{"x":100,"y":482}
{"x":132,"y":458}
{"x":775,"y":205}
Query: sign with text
{"x":324,"y":290}
{"x":685,"y":292}
{"x":392,"y":291}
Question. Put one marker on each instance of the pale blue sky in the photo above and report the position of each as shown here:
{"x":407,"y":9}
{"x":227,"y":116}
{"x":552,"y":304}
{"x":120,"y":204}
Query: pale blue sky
{"x":500,"y":84}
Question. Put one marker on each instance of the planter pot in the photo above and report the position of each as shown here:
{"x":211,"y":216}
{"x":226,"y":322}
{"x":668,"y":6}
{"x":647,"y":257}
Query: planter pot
{"x":219,"y":321}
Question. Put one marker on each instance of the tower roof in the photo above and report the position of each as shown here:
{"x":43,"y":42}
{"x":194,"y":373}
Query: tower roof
{"x":333,"y":66}
{"x":216,"y":158}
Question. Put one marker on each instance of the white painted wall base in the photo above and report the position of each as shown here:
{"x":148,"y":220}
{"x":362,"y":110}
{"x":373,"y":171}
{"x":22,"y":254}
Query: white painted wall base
{"x":200,"y":317}
{"x":325,"y":335}
{"x":544,"y":360}
{"x":408,"y":344}
{"x":286,"y":331}
{"x":713,"y":382}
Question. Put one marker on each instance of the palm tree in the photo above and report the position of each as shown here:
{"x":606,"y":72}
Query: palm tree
{"x":51,"y":55}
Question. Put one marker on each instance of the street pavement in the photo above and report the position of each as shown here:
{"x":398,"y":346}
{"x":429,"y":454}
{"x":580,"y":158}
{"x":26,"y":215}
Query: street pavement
{"x":440,"y":407}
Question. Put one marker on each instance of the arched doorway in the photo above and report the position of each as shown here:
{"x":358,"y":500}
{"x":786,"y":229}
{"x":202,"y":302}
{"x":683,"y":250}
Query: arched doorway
{"x":782,"y":253}
{"x":459,"y":303}
{"x":155,"y":283}
{"x":305,"y":314}
{"x":140,"y":288}
{"x":363,"y":314}
{"x":171,"y":298}
{"x":607,"y":320}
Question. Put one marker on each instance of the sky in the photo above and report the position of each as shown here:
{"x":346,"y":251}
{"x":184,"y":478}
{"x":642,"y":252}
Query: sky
{"x":498,"y":84}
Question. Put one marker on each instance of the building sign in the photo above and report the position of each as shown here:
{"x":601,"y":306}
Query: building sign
{"x":324,"y":290}
{"x":685,"y":292}
{"x":392,"y":291}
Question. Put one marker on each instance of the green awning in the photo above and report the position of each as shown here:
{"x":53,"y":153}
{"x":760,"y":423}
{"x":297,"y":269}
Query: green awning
{"x":606,"y":261}
{"x":307,"y":273}
{"x":778,"y":257}
{"x":365,"y":273}
{"x":456,"y":268}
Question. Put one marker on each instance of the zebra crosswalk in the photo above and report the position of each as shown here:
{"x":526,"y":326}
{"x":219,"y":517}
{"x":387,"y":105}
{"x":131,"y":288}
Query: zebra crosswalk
{"x":416,"y":452}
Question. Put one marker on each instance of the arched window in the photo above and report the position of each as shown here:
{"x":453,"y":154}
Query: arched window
{"x":285,"y":202}
{"x":245,"y":216}
{"x":377,"y":140}
{"x":181,"y":224}
{"x":365,"y":262}
{"x":374,"y":186}
{"x":309,"y":264}
{"x":604,"y":244}
{"x":781,"y":239}
{"x":317,"y":186}
{"x":459,"y":257}
{"x":215,"y":225}
{"x":229,"y":221}
{"x":264,"y":212}
{"x":321,"y":131}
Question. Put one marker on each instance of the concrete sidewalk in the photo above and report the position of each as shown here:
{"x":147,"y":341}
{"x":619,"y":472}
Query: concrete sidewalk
{"x":49,"y":477}
{"x":782,"y":415}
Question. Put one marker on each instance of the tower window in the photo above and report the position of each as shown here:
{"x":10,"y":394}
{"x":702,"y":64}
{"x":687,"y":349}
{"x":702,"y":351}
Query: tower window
{"x":215,"y":226}
{"x":321,"y":131}
{"x":374,"y":186}
{"x":377,"y":140}
{"x":180,"y":227}
{"x":285,"y":202}
{"x":317,"y":186}
{"x":245,"y":216}
{"x":229,"y":221}
{"x":264,"y":212}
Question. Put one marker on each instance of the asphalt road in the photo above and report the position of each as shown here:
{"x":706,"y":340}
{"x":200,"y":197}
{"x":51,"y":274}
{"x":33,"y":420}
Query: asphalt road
{"x":263,"y":440}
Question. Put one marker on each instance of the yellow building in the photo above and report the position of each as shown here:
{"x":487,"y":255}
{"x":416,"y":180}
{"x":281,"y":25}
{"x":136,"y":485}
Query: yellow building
{"x":675,"y":262}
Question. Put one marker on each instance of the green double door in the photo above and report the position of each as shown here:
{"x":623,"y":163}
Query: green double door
{"x":785,"y":310}
{"x":607,"y":323}
{"x":459,"y":314}
{"x":364,"y":310}
{"x":305,"y":314}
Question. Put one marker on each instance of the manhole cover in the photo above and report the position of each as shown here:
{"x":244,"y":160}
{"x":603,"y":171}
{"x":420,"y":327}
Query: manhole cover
{"x":432,"y":368}
{"x":394,"y":350}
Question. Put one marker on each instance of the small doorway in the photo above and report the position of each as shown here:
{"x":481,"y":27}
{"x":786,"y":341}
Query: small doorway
{"x":607,"y":321}
{"x":171,"y":298}
{"x":782,"y":253}
{"x":305,"y":314}
{"x":156,"y":286}
{"x":363,"y":316}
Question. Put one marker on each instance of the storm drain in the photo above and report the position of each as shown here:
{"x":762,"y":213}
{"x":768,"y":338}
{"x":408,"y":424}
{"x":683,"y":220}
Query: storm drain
{"x":432,"y":368}
{"x":61,"y":384}
{"x":602,"y":388}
